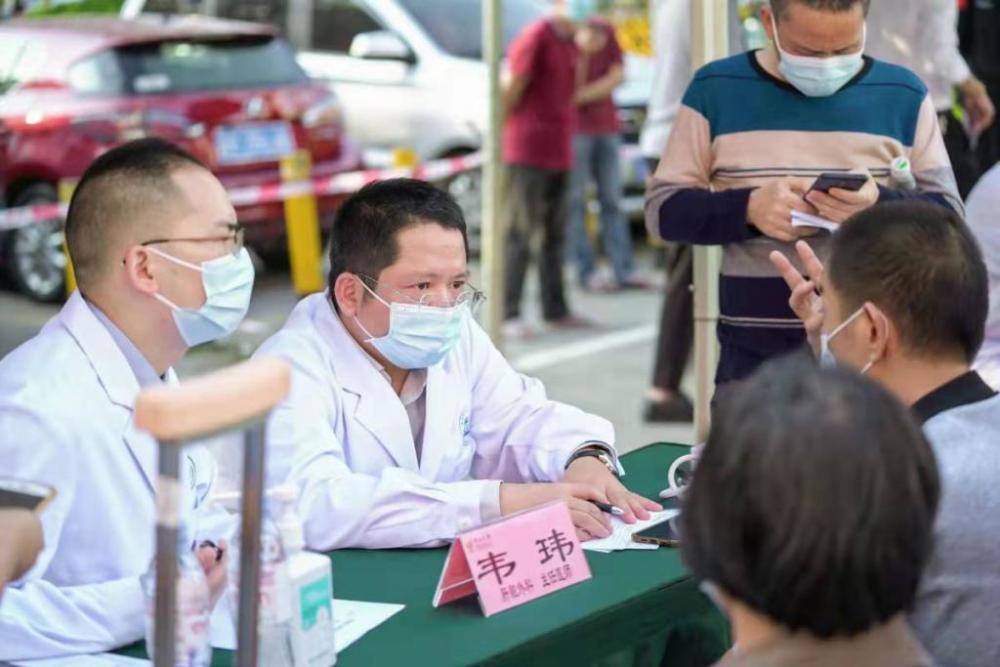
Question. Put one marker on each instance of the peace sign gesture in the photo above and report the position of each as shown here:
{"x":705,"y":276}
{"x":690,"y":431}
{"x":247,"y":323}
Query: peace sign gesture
{"x":806,"y":300}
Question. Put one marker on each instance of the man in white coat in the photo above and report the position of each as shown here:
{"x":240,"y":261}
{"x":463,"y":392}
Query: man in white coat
{"x":160,"y":267}
{"x":405,"y":426}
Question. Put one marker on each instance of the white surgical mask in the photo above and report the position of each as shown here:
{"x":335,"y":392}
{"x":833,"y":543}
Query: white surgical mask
{"x":419,"y":336}
{"x":818,"y":77}
{"x":826,"y":358}
{"x":228,"y":283}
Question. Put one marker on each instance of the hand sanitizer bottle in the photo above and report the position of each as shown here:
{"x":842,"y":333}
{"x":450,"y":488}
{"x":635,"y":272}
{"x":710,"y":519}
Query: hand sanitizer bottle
{"x":310,"y":578}
{"x":192,"y":644}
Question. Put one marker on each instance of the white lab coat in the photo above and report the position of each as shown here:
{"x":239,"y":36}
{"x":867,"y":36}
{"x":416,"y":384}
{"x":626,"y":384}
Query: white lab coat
{"x":344,"y":438}
{"x":66,"y":399}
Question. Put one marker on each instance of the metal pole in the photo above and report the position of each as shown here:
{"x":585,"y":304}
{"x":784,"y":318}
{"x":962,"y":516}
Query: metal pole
{"x":710,"y":36}
{"x":493,"y":241}
{"x":253,"y":503}
{"x":167,"y":516}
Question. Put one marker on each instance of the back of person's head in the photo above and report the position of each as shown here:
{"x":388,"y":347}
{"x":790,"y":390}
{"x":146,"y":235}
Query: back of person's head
{"x":780,"y":7}
{"x":364,"y":239}
{"x":125,"y":197}
{"x":920,"y":265}
{"x":814,"y":500}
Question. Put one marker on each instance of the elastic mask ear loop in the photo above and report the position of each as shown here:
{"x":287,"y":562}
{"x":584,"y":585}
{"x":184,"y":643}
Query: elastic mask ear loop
{"x":380,"y":300}
{"x":175,"y":260}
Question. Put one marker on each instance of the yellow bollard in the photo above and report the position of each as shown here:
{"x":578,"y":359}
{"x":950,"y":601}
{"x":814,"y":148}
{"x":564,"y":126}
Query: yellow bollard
{"x":66,"y":187}
{"x":302,"y":226}
{"x":404,"y":158}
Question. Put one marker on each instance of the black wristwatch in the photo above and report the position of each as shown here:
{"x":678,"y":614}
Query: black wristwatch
{"x":598,"y":452}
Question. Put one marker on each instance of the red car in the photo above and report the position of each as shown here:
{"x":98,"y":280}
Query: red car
{"x":229,"y":92}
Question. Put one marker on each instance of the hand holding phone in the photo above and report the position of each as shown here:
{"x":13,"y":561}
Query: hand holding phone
{"x":840,"y":181}
{"x":837,"y":197}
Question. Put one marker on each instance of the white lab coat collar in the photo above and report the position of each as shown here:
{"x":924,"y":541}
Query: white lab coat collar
{"x":113,"y":372}
{"x":378,"y":408}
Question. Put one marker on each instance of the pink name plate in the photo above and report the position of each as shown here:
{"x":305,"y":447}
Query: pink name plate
{"x":515,"y":560}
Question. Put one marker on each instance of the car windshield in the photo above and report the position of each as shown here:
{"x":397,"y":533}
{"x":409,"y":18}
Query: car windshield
{"x":457,"y":26}
{"x":189,"y":65}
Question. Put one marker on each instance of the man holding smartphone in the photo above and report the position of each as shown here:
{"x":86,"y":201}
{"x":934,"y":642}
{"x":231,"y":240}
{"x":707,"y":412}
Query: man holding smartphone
{"x":753,"y":134}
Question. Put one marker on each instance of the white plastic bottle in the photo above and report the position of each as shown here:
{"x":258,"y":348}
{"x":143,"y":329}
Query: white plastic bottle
{"x":310,"y":579}
{"x":192,"y":647}
{"x":274,"y":640}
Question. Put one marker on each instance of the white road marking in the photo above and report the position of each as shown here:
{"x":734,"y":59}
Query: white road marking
{"x":535,"y":361}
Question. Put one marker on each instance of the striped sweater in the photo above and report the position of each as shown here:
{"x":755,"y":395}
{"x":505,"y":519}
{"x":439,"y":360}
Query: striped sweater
{"x":738,"y":128}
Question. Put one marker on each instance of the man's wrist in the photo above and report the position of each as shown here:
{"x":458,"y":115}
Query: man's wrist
{"x":599,"y":452}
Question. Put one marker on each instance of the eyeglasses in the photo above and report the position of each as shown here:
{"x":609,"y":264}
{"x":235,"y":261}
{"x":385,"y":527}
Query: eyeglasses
{"x":457,"y":296}
{"x":235,"y":237}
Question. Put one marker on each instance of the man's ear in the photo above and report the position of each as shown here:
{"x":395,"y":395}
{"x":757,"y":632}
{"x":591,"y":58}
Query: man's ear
{"x":139,"y":271}
{"x":348,"y":294}
{"x":882,"y":334}
{"x":768,"y":20}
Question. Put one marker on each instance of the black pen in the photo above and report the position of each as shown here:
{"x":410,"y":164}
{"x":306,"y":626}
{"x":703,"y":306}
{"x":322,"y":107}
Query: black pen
{"x":608,"y":509}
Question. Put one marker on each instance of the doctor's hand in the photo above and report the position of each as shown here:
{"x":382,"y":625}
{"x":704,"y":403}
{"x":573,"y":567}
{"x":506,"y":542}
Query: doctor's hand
{"x":806,"y":301}
{"x":591,"y":472}
{"x":214,"y":561}
{"x":590,"y":522}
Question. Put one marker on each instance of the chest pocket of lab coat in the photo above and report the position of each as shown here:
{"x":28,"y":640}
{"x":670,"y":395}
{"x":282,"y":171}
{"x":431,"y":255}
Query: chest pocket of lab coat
{"x":458,"y":462}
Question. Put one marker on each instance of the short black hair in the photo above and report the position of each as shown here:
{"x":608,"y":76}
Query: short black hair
{"x":814,"y":500}
{"x":779,"y":7}
{"x":118,"y":192}
{"x":920,"y":264}
{"x":364,"y":236}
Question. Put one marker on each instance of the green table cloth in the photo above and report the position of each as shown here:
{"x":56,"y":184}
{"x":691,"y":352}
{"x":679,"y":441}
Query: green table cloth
{"x":640,"y":607}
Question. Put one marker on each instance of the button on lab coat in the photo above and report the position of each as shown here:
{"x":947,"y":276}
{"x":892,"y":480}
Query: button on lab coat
{"x":344,"y":438}
{"x":66,"y":399}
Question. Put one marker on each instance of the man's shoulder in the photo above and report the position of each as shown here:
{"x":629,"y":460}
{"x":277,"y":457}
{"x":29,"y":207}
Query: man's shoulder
{"x":733,"y":67}
{"x":955,"y":433}
{"x":887,"y":75}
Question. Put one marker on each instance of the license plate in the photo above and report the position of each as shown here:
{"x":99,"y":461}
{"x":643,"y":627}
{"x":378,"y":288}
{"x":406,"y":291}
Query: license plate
{"x":257,"y":142}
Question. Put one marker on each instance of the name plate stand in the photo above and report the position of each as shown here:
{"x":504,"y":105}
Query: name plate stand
{"x":515,"y":560}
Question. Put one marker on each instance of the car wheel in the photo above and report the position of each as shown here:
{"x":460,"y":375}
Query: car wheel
{"x":467,"y":189}
{"x":35,"y":256}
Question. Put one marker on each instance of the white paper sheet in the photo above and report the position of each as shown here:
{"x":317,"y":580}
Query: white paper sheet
{"x":352,"y":620}
{"x":102,"y":660}
{"x":800,"y":219}
{"x":621,"y":536}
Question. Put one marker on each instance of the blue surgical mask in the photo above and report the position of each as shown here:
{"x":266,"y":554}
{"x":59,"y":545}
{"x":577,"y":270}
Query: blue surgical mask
{"x":228,"y":283}
{"x":826,"y":358}
{"x":818,"y":77}
{"x":580,"y":10}
{"x":419,"y":336}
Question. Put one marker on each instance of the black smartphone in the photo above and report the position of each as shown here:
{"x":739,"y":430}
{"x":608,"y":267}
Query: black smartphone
{"x":829,"y":181}
{"x":16,"y":493}
{"x":666,"y":534}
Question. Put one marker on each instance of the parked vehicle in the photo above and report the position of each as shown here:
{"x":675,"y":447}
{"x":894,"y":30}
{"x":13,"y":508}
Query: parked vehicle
{"x":410,"y":75}
{"x":231,"y":93}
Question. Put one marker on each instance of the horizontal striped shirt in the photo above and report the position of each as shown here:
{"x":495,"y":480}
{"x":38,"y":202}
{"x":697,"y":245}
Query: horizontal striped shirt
{"x":740,"y":128}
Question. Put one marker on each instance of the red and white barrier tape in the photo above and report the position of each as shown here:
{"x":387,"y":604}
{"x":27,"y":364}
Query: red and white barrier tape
{"x":269,"y":193}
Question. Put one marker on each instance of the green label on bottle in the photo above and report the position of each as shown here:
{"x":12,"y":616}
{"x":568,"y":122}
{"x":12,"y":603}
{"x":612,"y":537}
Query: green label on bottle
{"x":314,"y":598}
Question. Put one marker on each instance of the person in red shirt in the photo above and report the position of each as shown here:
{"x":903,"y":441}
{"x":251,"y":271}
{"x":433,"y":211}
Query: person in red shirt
{"x":596,"y":147}
{"x":538,"y":101}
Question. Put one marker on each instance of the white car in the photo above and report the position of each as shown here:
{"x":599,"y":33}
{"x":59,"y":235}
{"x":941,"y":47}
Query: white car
{"x":410,"y":74}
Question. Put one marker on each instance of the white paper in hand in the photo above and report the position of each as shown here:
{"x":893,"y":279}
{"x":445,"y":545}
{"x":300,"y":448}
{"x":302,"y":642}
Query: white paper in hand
{"x":800,"y":219}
